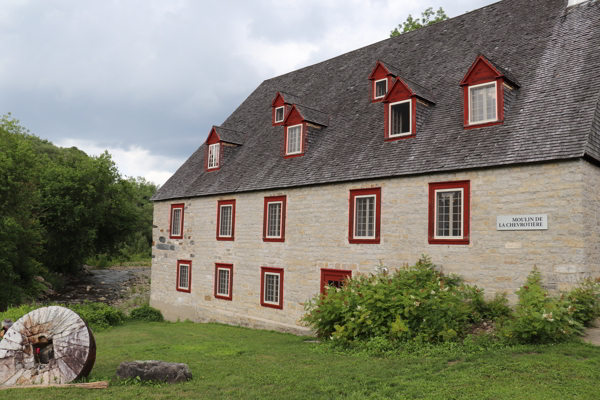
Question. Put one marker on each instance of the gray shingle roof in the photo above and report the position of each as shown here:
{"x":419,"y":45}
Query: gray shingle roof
{"x":313,"y":115}
{"x":552,"y":51}
{"x":291,"y":99}
{"x":230,"y":136}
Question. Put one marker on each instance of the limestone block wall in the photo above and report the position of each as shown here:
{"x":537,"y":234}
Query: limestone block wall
{"x":317,"y":237}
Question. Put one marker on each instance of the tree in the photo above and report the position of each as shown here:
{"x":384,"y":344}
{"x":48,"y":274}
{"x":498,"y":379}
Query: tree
{"x":412,"y":24}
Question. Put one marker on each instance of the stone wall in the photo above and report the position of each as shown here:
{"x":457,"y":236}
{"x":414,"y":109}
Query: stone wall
{"x":317,"y":237}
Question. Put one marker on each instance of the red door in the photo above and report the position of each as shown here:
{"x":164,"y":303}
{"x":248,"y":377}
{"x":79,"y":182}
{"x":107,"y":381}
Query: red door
{"x":333,"y":277}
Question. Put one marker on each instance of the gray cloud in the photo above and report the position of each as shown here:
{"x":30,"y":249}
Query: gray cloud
{"x":157,"y":74}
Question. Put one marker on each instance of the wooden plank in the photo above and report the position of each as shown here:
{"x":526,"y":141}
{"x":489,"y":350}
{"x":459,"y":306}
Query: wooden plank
{"x":89,"y":385}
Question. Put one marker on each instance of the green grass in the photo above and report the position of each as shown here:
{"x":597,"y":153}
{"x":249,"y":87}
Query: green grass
{"x":238,"y":363}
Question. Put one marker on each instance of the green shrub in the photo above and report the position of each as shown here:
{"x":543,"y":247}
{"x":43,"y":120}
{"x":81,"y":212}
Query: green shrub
{"x":146,"y":313}
{"x":416,"y":303}
{"x":98,"y":316}
{"x":539,"y":317}
{"x":585,"y":301}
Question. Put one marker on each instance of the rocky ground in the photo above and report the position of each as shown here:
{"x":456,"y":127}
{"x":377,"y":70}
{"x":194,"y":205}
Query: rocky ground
{"x":125,"y":287}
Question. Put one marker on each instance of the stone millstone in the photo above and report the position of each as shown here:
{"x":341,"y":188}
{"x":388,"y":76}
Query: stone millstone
{"x":49,"y":345}
{"x":155,"y":371}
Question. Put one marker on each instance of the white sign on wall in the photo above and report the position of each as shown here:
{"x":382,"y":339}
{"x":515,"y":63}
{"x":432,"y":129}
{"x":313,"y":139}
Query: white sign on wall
{"x":521,"y":222}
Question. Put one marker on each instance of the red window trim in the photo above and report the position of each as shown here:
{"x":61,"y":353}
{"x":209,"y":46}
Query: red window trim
{"x":373,"y":87}
{"x":263,"y":271}
{"x":175,"y":206}
{"x":466,"y":186}
{"x":230,"y":268}
{"x":275,"y":114}
{"x":274,"y":199}
{"x":499,"y":104}
{"x":303,"y":128}
{"x":365,"y":192}
{"x":226,"y":203}
{"x":341,"y":273}
{"x":218,"y":167}
{"x":189,"y":264}
{"x":413,"y":119}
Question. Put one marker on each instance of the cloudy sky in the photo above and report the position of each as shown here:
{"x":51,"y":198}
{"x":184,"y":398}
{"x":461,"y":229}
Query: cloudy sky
{"x":146,"y":79}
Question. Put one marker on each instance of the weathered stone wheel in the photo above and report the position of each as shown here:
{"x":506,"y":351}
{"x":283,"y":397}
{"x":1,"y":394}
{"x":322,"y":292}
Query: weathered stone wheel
{"x":49,"y":345}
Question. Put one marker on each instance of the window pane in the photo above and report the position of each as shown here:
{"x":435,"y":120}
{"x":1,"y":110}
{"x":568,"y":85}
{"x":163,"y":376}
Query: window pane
{"x":365,"y":217}
{"x":483,"y":103}
{"x":272,"y":288}
{"x":279,"y":114}
{"x":274,"y":220}
{"x":225,"y":229}
{"x":176,"y":222}
{"x":183,"y":276}
{"x":224,"y":282}
{"x":400,"y":119}
{"x":380,"y":88}
{"x":294,"y":139}
{"x":213,"y":155}
{"x":449,"y":214}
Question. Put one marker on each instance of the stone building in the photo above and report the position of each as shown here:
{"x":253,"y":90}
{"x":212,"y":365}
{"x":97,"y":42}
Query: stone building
{"x":475,"y":140}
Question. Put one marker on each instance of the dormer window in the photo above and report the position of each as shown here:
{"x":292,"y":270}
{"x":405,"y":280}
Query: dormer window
{"x":294,"y":140}
{"x":279,"y":114}
{"x":483,"y":93}
{"x":400,"y":118}
{"x":380,"y":88}
{"x":213,"y":156}
{"x":482,"y":103}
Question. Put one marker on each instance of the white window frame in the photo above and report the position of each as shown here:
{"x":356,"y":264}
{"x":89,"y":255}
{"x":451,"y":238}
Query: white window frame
{"x":354,"y":236}
{"x":278,"y":302}
{"x":213,"y":156}
{"x":462,"y":214}
{"x":280,"y":219}
{"x":282,"y":114}
{"x":471,"y":122}
{"x":375,"y":88}
{"x":229,"y":271}
{"x":187,"y":275}
{"x":180,"y":225}
{"x":221,"y":220}
{"x":410,"y":116}
{"x":287,"y":153}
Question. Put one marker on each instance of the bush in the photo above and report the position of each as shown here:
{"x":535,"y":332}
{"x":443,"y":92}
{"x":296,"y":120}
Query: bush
{"x":147,"y":314}
{"x":98,"y":316}
{"x":417,"y":303}
{"x":539,"y":317}
{"x":585,"y":301}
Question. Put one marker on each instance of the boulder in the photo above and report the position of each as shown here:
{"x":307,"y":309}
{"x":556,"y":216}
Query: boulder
{"x":151,"y":370}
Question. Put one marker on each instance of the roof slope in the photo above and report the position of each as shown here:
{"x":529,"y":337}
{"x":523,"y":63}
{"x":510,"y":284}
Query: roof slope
{"x":552,"y":51}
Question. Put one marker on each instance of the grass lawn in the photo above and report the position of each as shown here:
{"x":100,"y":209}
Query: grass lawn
{"x":237,"y":363}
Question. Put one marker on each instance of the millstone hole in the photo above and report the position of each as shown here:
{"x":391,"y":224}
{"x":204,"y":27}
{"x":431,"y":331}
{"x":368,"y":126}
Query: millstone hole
{"x":43,"y":350}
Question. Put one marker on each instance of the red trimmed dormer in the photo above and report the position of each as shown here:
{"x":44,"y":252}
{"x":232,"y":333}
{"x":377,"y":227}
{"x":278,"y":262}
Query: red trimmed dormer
{"x":483,"y":93}
{"x":401,"y":104}
{"x":281,"y":106}
{"x":296,"y":125}
{"x":220,"y":145}
{"x":381,"y":78}
{"x":212,"y":151}
{"x":278,"y":106}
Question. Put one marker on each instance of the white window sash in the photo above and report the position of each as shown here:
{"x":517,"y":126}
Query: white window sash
{"x":230,"y":225}
{"x":410,"y":117}
{"x":213,"y":156}
{"x":354,"y":235}
{"x":219,"y":292}
{"x":176,"y":226}
{"x":462,"y":214}
{"x":375,"y":88}
{"x":287,"y":150}
{"x":282,"y":114}
{"x":186,"y":275}
{"x":485,"y":121}
{"x":277,"y":288}
{"x":278,"y":236}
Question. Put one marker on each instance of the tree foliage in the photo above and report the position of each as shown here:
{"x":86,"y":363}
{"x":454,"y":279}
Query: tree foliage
{"x":58,"y":207}
{"x":428,"y":17}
